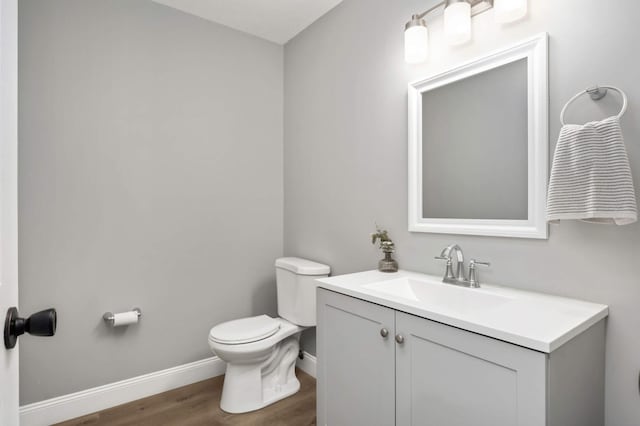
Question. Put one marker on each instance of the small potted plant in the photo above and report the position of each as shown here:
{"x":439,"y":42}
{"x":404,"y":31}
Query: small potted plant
{"x":388,"y":264}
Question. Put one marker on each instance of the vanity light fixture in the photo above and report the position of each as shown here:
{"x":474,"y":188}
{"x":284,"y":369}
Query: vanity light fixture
{"x":509,"y":10}
{"x":416,"y":41}
{"x":457,"y":23}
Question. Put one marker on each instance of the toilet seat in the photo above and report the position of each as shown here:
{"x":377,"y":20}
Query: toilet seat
{"x":245,"y":330}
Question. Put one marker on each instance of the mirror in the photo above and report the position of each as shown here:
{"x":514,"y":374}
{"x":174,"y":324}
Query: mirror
{"x":478,"y":146}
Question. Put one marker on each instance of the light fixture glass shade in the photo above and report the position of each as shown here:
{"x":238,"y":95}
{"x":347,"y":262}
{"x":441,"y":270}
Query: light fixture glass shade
{"x":509,"y":10}
{"x":457,"y":22}
{"x":416,"y":44}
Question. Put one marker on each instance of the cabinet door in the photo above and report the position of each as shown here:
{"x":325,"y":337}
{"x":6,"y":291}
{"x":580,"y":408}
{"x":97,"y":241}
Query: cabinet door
{"x":450,"y":377}
{"x":356,"y":364}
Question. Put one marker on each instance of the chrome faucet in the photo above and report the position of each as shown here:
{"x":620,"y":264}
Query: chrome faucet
{"x":449,"y":276}
{"x":459,"y":278}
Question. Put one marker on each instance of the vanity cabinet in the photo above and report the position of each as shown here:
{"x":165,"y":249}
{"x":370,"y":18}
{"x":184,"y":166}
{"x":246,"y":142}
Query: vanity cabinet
{"x":454,"y":377}
{"x":357,"y":352}
{"x":380,"y":366}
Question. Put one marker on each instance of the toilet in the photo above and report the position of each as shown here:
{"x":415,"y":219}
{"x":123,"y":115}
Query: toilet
{"x":261,"y":351}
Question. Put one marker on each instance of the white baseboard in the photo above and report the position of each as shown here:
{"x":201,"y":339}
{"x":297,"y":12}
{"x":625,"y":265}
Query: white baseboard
{"x":308,"y":364}
{"x":91,"y":400}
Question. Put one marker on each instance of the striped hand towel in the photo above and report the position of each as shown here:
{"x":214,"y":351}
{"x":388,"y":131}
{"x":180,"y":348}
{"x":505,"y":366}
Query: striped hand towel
{"x":590,"y":177}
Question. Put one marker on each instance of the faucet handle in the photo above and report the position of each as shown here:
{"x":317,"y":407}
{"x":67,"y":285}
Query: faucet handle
{"x":449,"y":276}
{"x":474,"y":280}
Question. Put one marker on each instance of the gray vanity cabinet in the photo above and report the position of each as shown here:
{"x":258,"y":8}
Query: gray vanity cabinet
{"x":447,"y":376}
{"x":357,"y":368}
{"x":379,"y":366}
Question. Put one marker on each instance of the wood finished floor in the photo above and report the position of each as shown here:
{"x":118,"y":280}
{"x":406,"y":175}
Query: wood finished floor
{"x":199,"y":404}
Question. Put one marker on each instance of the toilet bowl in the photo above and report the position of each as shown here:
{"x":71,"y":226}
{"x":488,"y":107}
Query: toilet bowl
{"x":261,"y":351}
{"x":260,"y":369}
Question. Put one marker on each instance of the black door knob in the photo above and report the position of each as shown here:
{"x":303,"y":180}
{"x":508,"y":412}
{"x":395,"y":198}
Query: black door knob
{"x":41,"y":323}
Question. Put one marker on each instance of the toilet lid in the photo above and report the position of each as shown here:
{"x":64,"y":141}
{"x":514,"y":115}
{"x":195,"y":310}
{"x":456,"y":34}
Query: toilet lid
{"x":245,"y":330}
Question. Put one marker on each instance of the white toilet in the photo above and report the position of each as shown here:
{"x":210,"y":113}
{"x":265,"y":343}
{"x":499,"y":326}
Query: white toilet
{"x":261,"y":351}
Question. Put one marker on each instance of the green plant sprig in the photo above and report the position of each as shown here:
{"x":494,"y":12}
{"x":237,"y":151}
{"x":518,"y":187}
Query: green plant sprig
{"x":386,"y":244}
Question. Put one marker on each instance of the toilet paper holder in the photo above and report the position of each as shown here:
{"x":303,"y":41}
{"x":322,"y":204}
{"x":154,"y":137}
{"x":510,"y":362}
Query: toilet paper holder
{"x":109,"y":317}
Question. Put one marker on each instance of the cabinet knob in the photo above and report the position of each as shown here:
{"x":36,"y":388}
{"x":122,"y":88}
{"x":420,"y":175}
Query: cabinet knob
{"x":400,"y":338}
{"x":384,"y":332}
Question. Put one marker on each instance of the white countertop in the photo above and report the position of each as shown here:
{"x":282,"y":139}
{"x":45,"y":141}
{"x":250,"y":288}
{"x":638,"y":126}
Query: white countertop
{"x":534,"y":320}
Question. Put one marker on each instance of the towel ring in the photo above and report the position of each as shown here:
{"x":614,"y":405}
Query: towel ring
{"x":596,"y":94}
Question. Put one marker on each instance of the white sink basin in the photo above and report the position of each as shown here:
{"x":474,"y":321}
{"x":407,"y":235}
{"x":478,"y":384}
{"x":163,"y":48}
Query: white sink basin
{"x":537,"y":321}
{"x":436,"y":294}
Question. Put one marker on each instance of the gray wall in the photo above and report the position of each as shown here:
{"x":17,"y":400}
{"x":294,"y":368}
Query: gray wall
{"x":150,"y":175}
{"x":345,"y":157}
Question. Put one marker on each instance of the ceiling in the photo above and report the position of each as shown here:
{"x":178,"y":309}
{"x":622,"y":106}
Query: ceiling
{"x":274,"y":20}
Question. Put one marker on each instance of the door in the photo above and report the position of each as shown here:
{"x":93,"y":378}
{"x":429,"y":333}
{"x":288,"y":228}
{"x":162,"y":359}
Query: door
{"x":356,"y":368}
{"x":447,"y":376}
{"x":8,"y":203}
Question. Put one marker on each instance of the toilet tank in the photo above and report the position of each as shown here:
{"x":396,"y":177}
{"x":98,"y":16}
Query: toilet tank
{"x":296,"y":281}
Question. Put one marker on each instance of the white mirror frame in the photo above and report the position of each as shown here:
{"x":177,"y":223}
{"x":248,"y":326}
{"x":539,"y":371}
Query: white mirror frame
{"x":535,"y":50}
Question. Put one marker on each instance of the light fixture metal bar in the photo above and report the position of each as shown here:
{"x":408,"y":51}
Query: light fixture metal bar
{"x":480,"y":6}
{"x":428,"y":11}
{"x":477,"y":7}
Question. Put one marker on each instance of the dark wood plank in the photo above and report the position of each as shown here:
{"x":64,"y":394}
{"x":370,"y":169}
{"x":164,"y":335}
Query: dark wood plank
{"x":199,"y":404}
